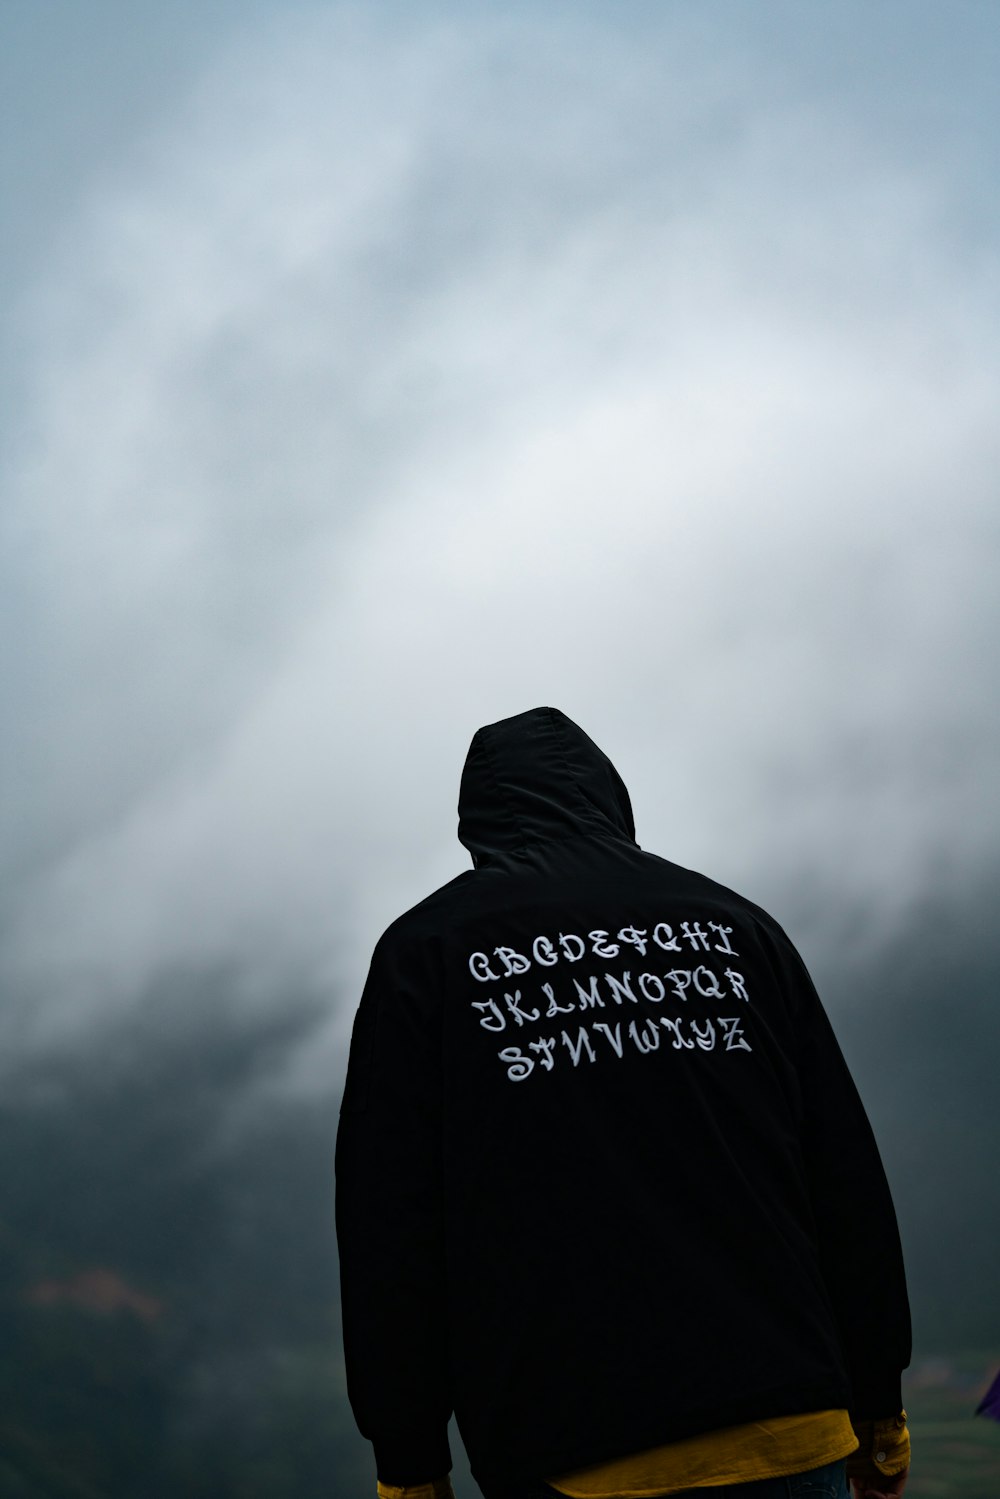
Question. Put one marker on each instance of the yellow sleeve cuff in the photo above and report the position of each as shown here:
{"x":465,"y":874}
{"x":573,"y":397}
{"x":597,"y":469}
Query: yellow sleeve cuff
{"x":883,"y":1447}
{"x":439,"y":1488}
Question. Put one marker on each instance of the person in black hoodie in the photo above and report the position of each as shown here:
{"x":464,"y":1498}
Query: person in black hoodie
{"x":605,"y":1187}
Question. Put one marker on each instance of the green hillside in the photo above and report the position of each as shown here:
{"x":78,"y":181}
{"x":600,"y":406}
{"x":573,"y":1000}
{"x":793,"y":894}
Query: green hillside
{"x":956,"y":1455}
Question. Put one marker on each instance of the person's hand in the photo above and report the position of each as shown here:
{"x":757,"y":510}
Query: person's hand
{"x":879,"y":1488}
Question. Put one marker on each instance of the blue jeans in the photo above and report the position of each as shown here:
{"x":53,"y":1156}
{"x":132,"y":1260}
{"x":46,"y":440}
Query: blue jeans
{"x":828,"y":1482}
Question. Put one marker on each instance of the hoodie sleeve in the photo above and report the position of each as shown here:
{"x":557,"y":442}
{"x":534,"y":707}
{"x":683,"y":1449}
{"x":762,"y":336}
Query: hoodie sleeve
{"x":859,"y":1242}
{"x":390,"y":1226}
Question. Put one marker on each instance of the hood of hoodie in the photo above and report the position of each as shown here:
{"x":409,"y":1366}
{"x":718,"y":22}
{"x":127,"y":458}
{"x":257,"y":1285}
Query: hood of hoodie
{"x":534,"y":778}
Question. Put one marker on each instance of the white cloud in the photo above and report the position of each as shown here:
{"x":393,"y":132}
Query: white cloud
{"x":387,"y":404}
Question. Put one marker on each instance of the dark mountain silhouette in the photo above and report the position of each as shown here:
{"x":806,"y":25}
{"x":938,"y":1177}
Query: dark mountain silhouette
{"x":169,"y":1317}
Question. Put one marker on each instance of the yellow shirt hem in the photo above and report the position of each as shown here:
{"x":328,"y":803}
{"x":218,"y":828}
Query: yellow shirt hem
{"x":736,"y":1454}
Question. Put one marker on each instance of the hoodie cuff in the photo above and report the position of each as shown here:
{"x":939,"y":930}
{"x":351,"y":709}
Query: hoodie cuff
{"x":409,"y":1460}
{"x":876,"y":1395}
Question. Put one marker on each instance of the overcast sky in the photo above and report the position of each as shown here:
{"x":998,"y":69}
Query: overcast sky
{"x":374,"y":372}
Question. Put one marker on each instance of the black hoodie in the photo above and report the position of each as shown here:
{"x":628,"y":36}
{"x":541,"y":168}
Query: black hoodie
{"x":603,"y":1178}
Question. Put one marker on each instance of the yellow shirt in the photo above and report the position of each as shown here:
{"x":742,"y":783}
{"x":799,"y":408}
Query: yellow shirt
{"x":736,"y":1454}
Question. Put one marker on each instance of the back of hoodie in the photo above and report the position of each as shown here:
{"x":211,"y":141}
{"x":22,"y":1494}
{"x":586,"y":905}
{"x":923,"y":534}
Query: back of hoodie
{"x":600,"y":1157}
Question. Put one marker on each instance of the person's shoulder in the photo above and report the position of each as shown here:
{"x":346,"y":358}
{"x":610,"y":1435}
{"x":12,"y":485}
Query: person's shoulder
{"x":692,"y":882}
{"x":430,"y":915}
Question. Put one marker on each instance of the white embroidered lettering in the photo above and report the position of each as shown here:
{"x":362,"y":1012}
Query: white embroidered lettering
{"x":705,"y":1038}
{"x":709,"y":985}
{"x":544,"y":1044}
{"x":738,"y":984}
{"x":543,"y":952}
{"x":495,"y":1020}
{"x":694,"y":934}
{"x":648,"y":1042}
{"x":734,"y":1036}
{"x":513,"y":962}
{"x":555,"y":1009}
{"x":519,"y":1066}
{"x":679,"y":1041}
{"x":616,"y":1038}
{"x":724,"y":933}
{"x":513,"y":1005}
{"x":637,"y":937}
{"x":681,"y":980}
{"x":582,"y":1043}
{"x":652,"y":987}
{"x":663,"y":936}
{"x":589,"y":998}
{"x":620,"y":987}
{"x":565,"y":939}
